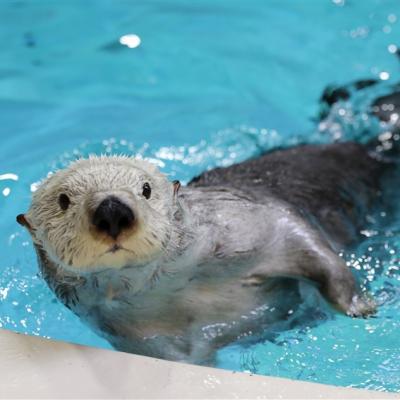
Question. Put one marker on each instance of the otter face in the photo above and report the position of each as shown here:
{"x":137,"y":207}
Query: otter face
{"x":102,"y":212}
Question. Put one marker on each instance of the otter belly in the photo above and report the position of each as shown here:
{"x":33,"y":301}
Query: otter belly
{"x":191,"y":323}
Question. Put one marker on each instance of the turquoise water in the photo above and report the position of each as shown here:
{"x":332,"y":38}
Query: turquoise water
{"x":210,"y":83}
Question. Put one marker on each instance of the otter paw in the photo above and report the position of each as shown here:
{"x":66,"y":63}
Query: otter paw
{"x":361,"y":306}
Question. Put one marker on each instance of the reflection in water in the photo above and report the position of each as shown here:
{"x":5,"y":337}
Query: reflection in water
{"x":384,"y":75}
{"x":12,"y":177}
{"x":132,"y":41}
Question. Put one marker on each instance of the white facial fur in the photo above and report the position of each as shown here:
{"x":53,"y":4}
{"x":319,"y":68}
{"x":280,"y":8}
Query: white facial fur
{"x":68,"y":236}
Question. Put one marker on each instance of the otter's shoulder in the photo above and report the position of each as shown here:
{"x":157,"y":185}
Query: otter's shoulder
{"x":333,"y":183}
{"x":305,"y":161}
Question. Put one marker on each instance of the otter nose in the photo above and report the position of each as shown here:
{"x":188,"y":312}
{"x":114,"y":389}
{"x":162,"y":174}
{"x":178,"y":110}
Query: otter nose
{"x":112,"y":217}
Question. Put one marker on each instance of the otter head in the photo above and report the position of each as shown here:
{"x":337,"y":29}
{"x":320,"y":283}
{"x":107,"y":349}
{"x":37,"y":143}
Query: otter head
{"x":102,"y":212}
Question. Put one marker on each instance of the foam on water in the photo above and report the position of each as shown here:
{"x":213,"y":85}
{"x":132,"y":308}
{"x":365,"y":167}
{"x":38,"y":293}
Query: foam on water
{"x":191,"y":86}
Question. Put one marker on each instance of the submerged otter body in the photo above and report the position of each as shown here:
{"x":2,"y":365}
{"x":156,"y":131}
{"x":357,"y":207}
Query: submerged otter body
{"x":177,"y":272}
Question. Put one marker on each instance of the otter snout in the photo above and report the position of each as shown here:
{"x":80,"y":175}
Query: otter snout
{"x":112,"y":217}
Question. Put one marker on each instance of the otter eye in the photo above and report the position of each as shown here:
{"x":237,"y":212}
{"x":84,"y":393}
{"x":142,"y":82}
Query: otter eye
{"x":146,"y":190}
{"x":63,"y":201}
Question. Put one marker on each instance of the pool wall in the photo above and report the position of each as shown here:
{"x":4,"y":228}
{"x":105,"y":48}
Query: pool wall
{"x":33,"y":367}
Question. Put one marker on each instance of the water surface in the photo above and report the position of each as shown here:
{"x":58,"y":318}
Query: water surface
{"x":210,"y":83}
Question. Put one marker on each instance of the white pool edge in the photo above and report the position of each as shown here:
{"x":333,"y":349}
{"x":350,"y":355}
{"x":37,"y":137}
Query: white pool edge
{"x":33,"y":367}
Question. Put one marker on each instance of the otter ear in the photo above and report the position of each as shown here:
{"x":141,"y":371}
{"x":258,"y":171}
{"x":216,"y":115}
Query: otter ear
{"x":177,"y":186}
{"x":21,"y":219}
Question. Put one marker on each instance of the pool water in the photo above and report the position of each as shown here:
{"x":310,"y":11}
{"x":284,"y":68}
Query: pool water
{"x":193,"y":85}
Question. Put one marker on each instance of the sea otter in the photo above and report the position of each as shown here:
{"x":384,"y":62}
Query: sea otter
{"x":176,"y":272}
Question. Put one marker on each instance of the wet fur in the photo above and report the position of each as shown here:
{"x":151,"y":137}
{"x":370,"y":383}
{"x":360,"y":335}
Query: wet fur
{"x":331,"y":185}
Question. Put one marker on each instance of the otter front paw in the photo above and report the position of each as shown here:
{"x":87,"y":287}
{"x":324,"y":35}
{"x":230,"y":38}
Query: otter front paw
{"x":341,"y":291}
{"x":349,"y":301}
{"x":361,"y":306}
